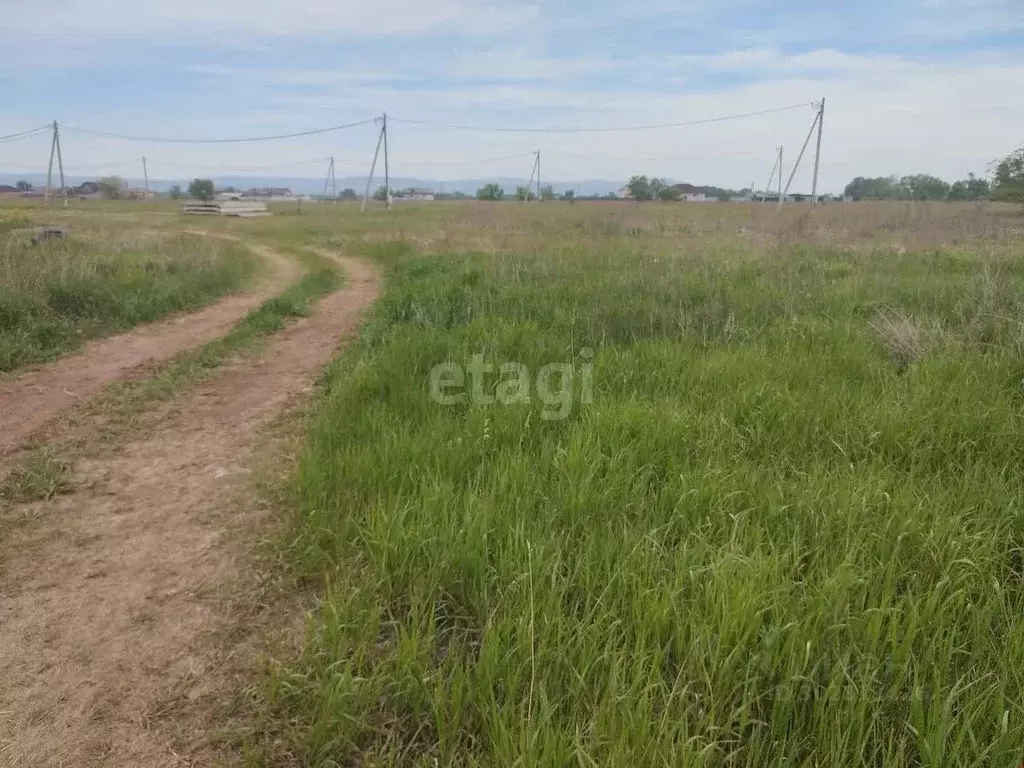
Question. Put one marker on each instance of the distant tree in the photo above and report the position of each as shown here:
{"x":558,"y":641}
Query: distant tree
{"x":1008,"y":182}
{"x":348,"y":194}
{"x":524,"y":193}
{"x":670,"y":194}
{"x":971,"y":188}
{"x":461,"y":196}
{"x":492,"y":192}
{"x":882,"y":188}
{"x":381,"y":194}
{"x":201,"y":189}
{"x":24,"y":186}
{"x":639,"y":187}
{"x":657,"y":185}
{"x":921,"y":186}
{"x":175,"y":192}
{"x":570,"y":195}
{"x":547,"y":193}
{"x":111,"y":187}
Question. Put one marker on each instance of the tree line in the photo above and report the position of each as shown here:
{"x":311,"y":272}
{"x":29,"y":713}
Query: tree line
{"x":1006,"y":184}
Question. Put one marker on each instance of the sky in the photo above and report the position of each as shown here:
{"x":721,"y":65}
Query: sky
{"x":911,"y":86}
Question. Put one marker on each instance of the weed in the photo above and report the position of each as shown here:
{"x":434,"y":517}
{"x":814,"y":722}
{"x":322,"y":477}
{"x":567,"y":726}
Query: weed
{"x":56,"y":295}
{"x":40,"y":476}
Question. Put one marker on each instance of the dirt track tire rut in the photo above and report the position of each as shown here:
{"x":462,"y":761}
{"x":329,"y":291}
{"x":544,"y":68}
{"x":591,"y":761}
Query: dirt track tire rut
{"x":29,"y":400}
{"x":103,"y":618}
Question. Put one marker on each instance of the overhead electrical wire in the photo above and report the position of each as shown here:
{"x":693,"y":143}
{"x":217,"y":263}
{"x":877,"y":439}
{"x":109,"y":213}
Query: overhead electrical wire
{"x":505,"y":129}
{"x":166,"y":140}
{"x":27,"y":134}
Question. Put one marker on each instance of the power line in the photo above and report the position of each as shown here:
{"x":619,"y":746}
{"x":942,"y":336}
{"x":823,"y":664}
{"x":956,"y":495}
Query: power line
{"x":165,"y":140}
{"x":27,"y":134}
{"x":602,"y":130}
{"x":309,"y":161}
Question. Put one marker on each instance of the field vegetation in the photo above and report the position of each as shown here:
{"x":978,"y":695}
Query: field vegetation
{"x":787,"y":529}
{"x":101,"y":279}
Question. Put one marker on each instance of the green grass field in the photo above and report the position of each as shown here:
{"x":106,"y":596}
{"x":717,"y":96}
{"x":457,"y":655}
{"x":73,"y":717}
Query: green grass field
{"x":103,"y":278}
{"x":787,"y":529}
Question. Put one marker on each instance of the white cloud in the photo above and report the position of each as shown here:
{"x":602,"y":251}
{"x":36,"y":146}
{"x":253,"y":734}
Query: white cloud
{"x":209,"y":19}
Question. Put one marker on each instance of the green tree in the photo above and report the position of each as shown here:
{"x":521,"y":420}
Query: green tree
{"x":492,"y":192}
{"x":881,"y":188}
{"x":348,"y":194}
{"x":657,"y":186}
{"x":111,"y":187}
{"x":921,"y":186}
{"x":547,"y":193}
{"x":670,"y":194}
{"x":24,"y":186}
{"x":639,"y":187}
{"x":570,"y":195}
{"x":175,"y":192}
{"x":971,"y":188}
{"x":1008,"y":181}
{"x":381,"y":194}
{"x":524,"y":193}
{"x":201,"y":189}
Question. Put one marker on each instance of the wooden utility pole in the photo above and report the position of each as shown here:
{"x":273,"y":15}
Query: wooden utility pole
{"x":817,"y":153}
{"x":145,"y":174}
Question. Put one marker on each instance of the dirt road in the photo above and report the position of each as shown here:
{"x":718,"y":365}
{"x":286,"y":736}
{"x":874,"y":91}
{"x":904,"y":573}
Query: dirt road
{"x":30,"y":400}
{"x":103,"y":619}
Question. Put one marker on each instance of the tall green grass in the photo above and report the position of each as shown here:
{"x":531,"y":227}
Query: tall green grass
{"x":784,"y":532}
{"x":55,"y":295}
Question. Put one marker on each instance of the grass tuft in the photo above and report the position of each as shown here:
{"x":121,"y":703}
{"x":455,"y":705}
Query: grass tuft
{"x":40,"y":476}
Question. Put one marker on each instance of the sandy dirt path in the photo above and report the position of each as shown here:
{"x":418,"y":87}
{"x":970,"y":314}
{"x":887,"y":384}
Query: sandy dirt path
{"x":29,"y":400}
{"x":106,"y":617}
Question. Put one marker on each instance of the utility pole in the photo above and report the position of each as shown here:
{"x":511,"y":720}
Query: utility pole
{"x":387,"y":174}
{"x":817,"y":153}
{"x":55,"y":151}
{"x":373,"y":167}
{"x":538,"y":175}
{"x":331,"y":180}
{"x":800,"y":157}
{"x":780,"y":175}
{"x":145,"y":175}
{"x":49,"y":169}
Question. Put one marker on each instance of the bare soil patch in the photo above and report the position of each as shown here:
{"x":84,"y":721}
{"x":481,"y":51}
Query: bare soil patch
{"x":106,"y":615}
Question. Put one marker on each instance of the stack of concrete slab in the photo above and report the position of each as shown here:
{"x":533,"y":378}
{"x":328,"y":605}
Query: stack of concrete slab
{"x":243,"y":209}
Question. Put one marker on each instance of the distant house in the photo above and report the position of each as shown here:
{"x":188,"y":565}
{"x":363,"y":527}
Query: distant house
{"x":8,"y":190}
{"x":625,"y":193}
{"x":137,"y":193}
{"x":688,"y":193}
{"x":229,"y":195}
{"x":413,"y":193}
